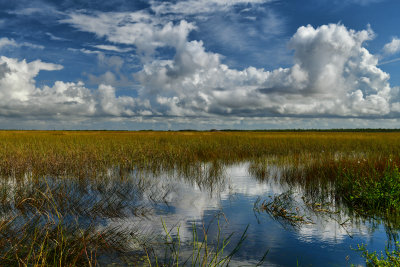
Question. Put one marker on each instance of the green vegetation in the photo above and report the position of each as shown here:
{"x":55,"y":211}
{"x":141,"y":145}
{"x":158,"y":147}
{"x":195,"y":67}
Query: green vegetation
{"x":57,"y":187}
{"x":372,"y":190}
{"x":390,"y":258}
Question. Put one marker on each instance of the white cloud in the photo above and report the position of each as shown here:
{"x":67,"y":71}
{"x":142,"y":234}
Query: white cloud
{"x":18,"y":82}
{"x":333,"y":75}
{"x":110,"y":62}
{"x":393,"y":47}
{"x":85,"y":51}
{"x":55,"y":38}
{"x":110,"y":78}
{"x":6,"y":42}
{"x":112,"y":48}
{"x":192,"y":7}
{"x":19,"y":96}
{"x":33,"y":46}
{"x":35,"y":9}
{"x":140,"y":29}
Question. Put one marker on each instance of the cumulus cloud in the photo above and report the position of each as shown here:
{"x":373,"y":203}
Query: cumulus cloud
{"x":393,"y":47}
{"x":17,"y":81}
{"x":333,"y":75}
{"x":20,"y":97}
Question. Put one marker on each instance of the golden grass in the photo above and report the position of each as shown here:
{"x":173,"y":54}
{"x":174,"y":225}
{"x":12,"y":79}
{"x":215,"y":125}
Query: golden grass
{"x":89,"y":153}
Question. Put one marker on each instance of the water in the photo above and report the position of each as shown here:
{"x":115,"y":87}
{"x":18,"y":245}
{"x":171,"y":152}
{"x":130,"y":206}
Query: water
{"x":201,"y":196}
{"x":184,"y":202}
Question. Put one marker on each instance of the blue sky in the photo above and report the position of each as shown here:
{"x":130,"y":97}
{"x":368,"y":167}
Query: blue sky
{"x":199,"y":64}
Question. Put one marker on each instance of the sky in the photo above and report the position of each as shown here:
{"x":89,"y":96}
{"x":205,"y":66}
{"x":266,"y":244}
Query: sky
{"x":199,"y":64}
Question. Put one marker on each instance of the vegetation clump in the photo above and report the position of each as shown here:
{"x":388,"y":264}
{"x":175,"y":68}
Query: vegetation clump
{"x":387,"y":259}
{"x":284,"y":209}
{"x":372,"y":190}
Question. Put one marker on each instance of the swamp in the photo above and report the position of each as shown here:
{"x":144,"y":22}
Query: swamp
{"x":147,"y":198}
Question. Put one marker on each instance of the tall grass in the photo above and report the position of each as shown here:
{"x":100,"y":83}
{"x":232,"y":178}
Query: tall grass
{"x":40,"y":236}
{"x":88,"y":154}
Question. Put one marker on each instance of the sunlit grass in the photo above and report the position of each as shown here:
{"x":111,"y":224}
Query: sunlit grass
{"x":88,"y":154}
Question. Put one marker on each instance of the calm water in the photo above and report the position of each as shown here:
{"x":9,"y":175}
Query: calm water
{"x":326,"y":242}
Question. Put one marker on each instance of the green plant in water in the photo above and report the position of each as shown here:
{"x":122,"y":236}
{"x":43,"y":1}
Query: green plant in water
{"x":390,"y":258}
{"x":372,"y":190}
{"x":202,"y":253}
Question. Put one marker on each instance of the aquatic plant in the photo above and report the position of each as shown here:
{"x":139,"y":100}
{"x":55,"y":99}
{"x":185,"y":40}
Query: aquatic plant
{"x":283,"y":208}
{"x":387,"y":259}
{"x":369,"y":189}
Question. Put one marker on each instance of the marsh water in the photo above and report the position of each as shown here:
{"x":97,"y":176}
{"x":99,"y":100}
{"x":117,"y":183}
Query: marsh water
{"x":326,"y":237}
{"x":139,"y":208}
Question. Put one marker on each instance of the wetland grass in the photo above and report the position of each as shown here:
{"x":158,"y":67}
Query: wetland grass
{"x":89,"y":154}
{"x":57,"y":187}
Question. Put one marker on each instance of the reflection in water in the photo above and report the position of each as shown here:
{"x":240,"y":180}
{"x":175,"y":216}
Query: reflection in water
{"x":137,"y":204}
{"x":325,"y":242}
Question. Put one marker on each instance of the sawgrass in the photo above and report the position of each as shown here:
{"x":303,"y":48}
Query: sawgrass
{"x":90,"y":154}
